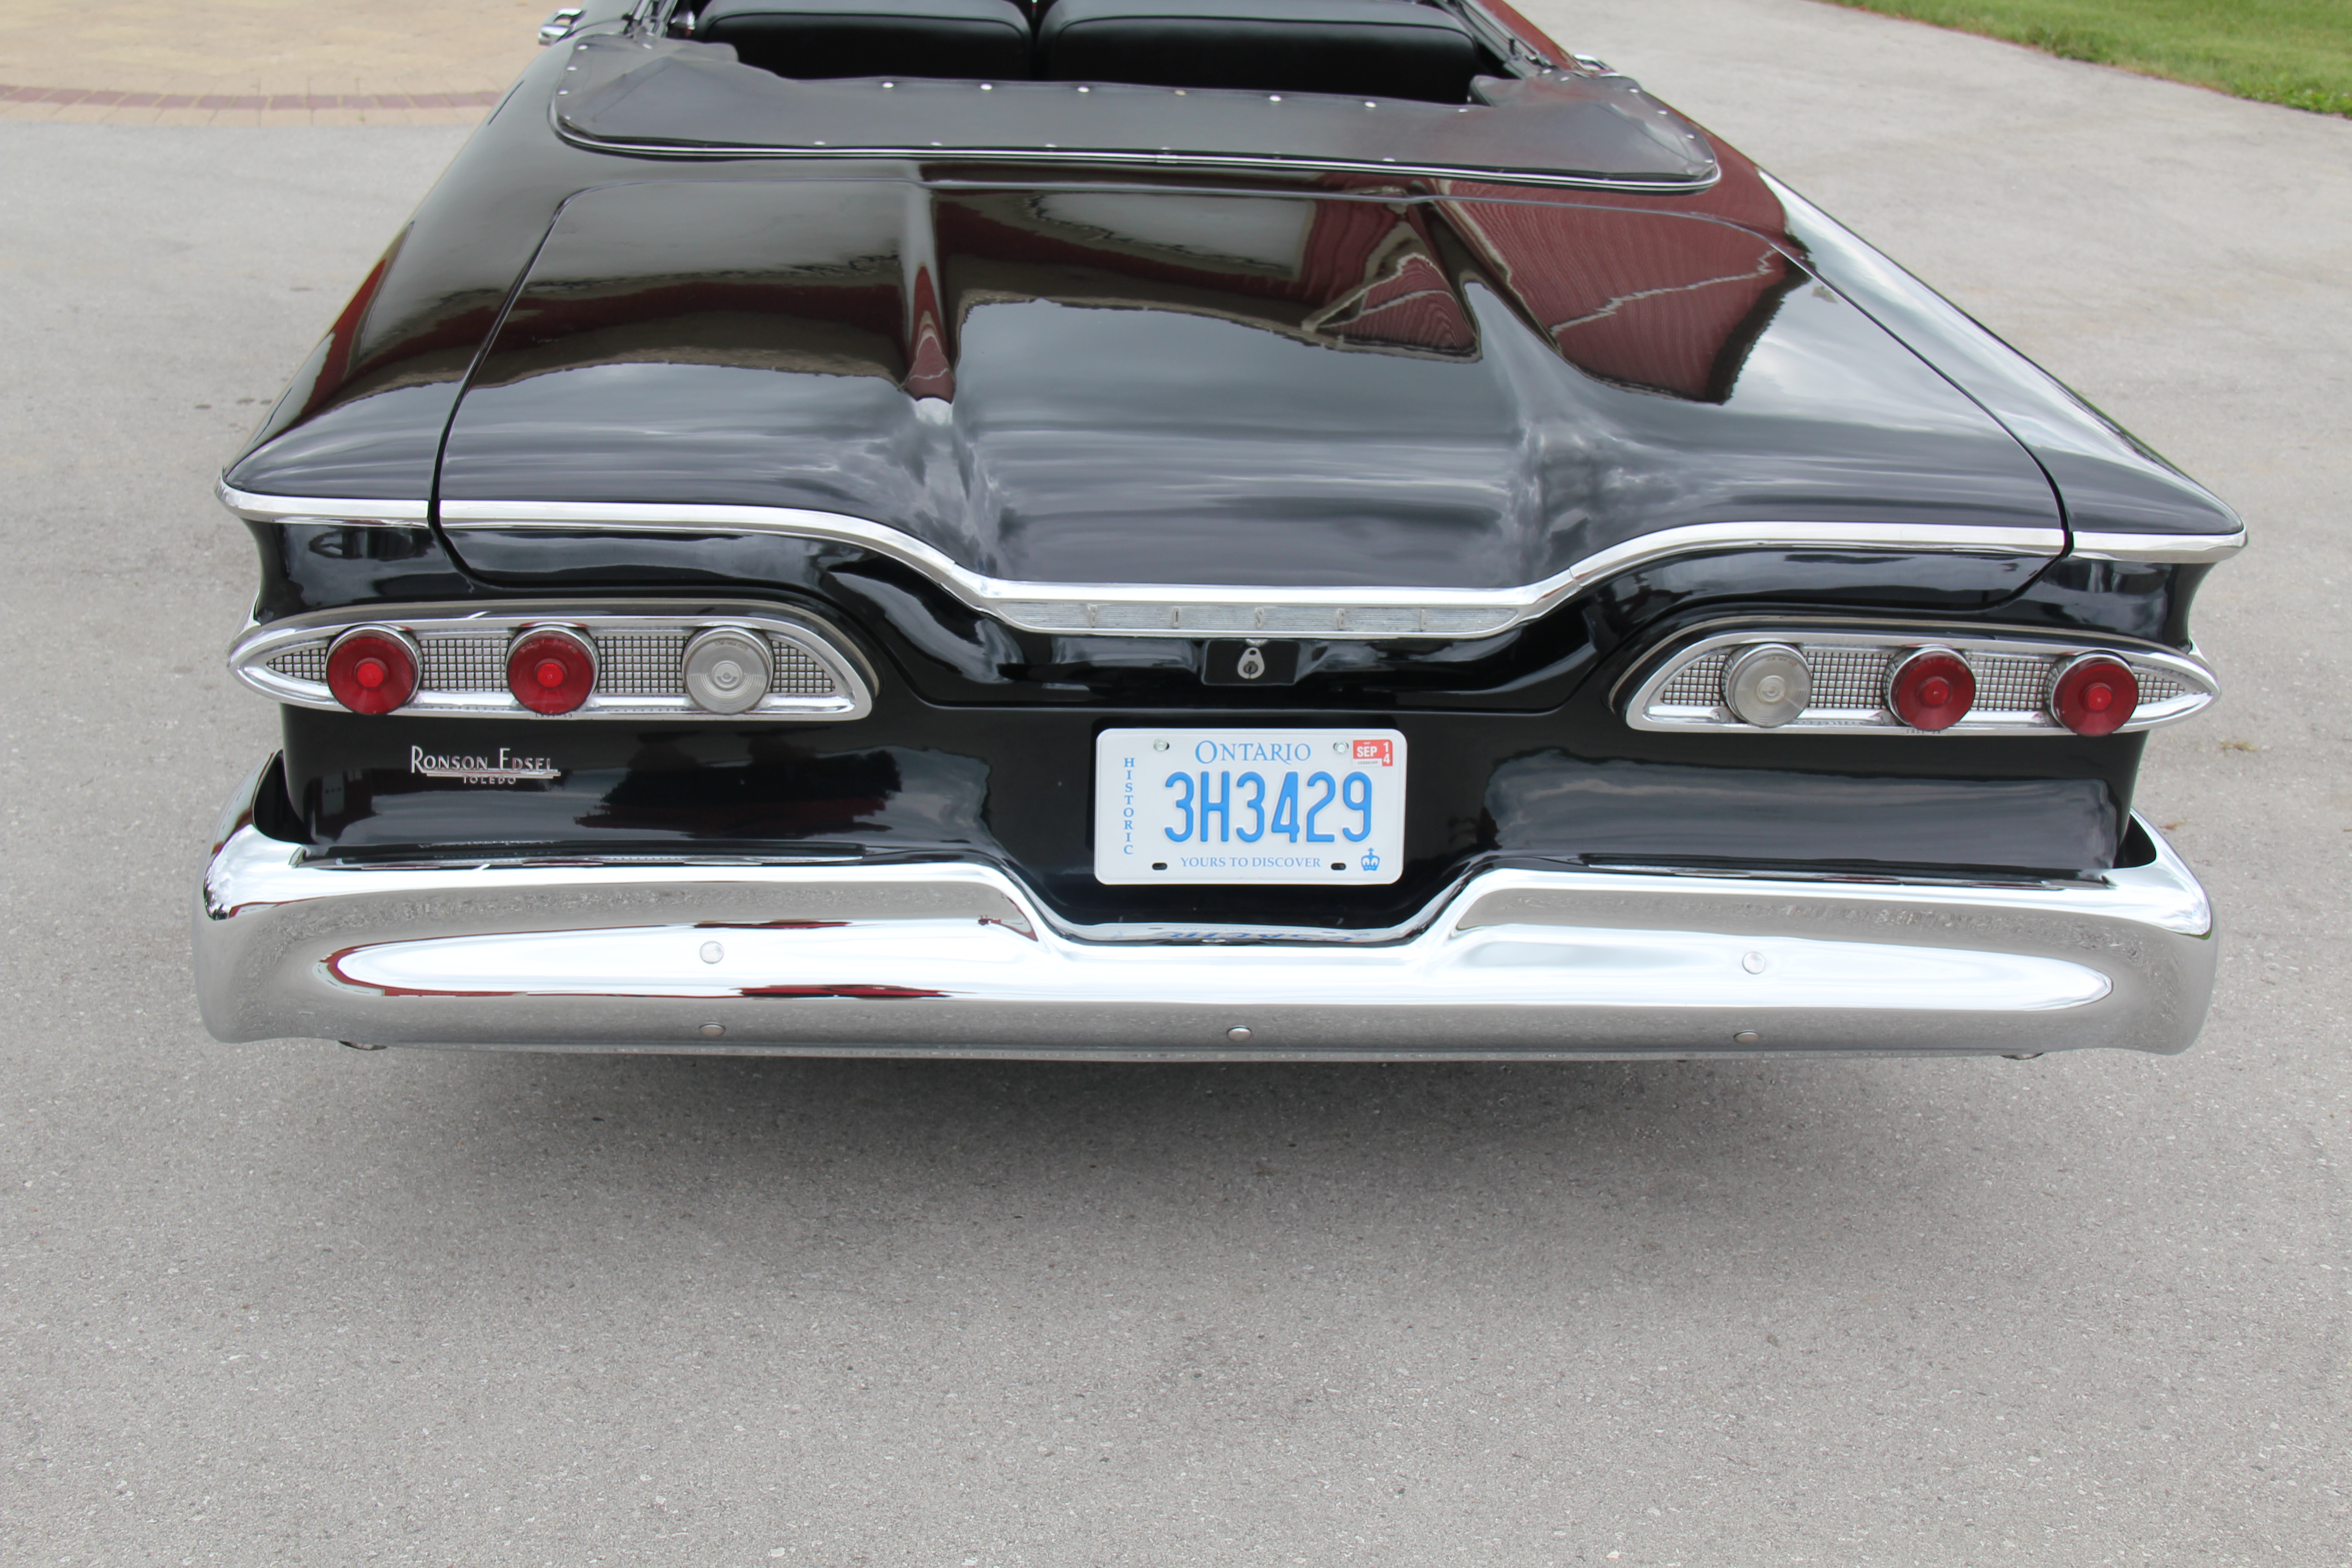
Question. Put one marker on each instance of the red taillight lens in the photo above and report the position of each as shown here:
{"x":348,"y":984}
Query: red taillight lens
{"x":2095,"y":695}
{"x":372,"y":670}
{"x":1933,"y":688}
{"x":551,"y":670}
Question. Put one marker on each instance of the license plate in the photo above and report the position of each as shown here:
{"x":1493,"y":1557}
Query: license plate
{"x":1249,"y":805}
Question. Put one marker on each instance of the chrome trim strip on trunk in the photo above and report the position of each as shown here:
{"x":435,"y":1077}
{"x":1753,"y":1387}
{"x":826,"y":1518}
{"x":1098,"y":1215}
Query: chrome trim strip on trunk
{"x":2158,"y":549}
{"x":958,"y":959}
{"x":343,"y":513}
{"x":1125,"y":609}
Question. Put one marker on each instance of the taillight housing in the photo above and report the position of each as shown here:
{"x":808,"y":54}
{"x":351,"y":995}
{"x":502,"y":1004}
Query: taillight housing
{"x":550,"y":669}
{"x":2095,"y":695}
{"x":372,"y":669}
{"x":1873,"y":679}
{"x":1931,"y":689}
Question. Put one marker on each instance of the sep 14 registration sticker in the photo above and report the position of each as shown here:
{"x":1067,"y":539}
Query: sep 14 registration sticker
{"x":1249,"y":805}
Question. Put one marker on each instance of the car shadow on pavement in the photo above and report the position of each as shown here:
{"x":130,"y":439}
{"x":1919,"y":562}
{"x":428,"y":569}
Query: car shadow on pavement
{"x":842,"y":1173}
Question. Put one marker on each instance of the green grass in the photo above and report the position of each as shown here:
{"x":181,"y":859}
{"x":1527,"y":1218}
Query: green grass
{"x":2296,"y":52}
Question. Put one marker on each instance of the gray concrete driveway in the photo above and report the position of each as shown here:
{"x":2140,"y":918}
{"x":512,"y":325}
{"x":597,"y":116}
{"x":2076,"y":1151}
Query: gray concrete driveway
{"x":286,"y":1302}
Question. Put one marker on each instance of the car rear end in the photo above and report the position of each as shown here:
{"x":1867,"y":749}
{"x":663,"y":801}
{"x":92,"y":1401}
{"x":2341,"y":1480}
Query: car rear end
{"x":888,"y":606}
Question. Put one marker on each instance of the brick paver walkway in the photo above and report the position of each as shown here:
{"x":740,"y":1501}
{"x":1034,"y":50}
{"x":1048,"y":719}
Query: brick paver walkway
{"x":262,"y":62}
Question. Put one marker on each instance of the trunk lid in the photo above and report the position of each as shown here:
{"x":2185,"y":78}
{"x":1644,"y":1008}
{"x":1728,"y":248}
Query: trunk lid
{"x":1472,"y":389}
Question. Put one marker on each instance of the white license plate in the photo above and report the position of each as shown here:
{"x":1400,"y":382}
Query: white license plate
{"x":1249,"y":805}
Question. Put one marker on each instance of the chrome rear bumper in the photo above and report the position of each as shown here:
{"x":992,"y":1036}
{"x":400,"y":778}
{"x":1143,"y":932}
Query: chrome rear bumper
{"x":956,"y":959}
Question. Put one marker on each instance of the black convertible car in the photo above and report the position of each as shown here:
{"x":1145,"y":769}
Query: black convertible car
{"x":1184,"y":528}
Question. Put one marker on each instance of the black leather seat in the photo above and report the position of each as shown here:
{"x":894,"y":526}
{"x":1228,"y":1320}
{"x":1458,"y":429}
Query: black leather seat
{"x":1371,"y":48}
{"x":808,"y":38}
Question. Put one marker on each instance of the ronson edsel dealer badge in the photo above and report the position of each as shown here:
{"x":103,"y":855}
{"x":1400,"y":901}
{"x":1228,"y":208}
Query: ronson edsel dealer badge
{"x":506,"y":768}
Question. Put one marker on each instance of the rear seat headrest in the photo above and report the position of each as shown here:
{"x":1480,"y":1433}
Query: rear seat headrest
{"x":1375,"y":49}
{"x":813,"y":38}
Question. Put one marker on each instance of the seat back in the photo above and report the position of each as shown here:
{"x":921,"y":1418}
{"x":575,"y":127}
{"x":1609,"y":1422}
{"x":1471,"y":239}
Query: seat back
{"x":813,"y":38}
{"x":1373,"y":48}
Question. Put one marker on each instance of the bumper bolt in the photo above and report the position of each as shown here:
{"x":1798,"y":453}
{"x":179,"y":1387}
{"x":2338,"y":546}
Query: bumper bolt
{"x":1238,"y":1033}
{"x":712,"y":1031}
{"x":1747,"y":1037}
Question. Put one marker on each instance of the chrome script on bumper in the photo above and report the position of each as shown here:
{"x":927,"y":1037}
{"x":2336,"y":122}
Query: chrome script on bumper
{"x":956,"y":958}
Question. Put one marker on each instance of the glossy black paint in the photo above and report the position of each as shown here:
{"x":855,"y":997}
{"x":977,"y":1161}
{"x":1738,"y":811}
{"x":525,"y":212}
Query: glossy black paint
{"x":2110,"y":480}
{"x":951,"y":654}
{"x":1192,"y":376}
{"x":2150,"y":602}
{"x":1520,"y":748}
{"x":1012,"y":786}
{"x":954,"y":654}
{"x":1255,"y":664}
{"x":318,"y":567}
{"x":364,"y":417}
{"x":1164,"y":387}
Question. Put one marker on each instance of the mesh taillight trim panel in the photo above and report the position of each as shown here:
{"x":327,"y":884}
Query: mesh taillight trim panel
{"x":630,"y":666}
{"x":1698,"y":684}
{"x":640,"y":664}
{"x":462,"y":664}
{"x":302,"y":664}
{"x":1850,"y":687}
{"x":798,"y":674}
{"x":1847,"y":677}
{"x":2011,"y":683}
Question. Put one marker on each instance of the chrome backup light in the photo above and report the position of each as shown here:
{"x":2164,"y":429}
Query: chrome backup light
{"x":630,"y":659}
{"x":1768,"y":685}
{"x":727,"y":668}
{"x":1897,"y":682}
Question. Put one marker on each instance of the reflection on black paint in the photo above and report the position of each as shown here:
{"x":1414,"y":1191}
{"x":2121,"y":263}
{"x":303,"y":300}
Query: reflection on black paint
{"x":1089,"y":386}
{"x":783,"y":791}
{"x":1554,"y":804}
{"x":787,"y":790}
{"x":316,"y":566}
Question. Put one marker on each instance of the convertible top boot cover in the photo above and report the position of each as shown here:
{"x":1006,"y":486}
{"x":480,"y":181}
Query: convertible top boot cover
{"x":1120,"y":386}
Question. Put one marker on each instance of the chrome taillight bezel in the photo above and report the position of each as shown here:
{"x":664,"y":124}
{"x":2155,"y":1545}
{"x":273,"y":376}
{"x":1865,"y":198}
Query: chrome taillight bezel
{"x":400,"y":640}
{"x":2014,"y":670}
{"x":631,"y":641}
{"x":2060,"y":677}
{"x":568,"y":639}
{"x":1917,"y":662}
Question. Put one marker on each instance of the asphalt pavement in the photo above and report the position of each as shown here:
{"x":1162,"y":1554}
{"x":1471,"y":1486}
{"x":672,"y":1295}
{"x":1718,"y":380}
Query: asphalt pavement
{"x":289,"y":1302}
